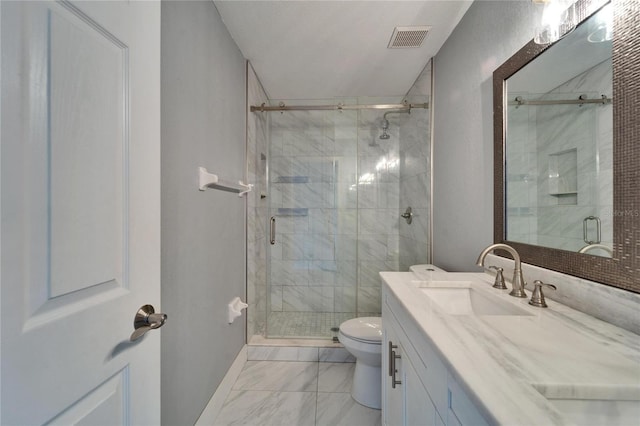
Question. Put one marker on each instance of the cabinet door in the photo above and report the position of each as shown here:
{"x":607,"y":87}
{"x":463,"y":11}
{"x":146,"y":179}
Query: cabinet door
{"x":419,"y":409}
{"x":462,"y":411}
{"x":392,"y":403}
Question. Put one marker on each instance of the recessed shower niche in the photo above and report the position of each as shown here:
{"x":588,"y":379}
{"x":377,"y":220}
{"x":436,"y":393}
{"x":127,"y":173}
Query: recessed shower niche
{"x":563,"y":176}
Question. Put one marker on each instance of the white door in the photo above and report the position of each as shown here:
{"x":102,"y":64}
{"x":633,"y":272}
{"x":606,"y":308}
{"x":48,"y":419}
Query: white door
{"x":80,"y":211}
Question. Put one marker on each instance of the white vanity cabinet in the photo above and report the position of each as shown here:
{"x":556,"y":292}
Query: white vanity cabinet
{"x":424,"y":392}
{"x":406,"y":400}
{"x":471,"y":355}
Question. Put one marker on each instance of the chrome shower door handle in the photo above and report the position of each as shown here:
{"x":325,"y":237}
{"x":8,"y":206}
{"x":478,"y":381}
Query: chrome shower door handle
{"x":585,"y":232}
{"x":272,"y":230}
{"x":146,"y":319}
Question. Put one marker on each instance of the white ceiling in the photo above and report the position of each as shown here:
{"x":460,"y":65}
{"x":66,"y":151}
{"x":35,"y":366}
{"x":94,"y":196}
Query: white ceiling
{"x":327,"y":49}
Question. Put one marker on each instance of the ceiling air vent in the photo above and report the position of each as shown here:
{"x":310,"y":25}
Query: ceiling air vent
{"x":406,"y":37}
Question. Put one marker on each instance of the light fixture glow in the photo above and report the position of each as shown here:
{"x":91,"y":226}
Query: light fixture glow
{"x":558,"y":20}
{"x":366,"y":179}
{"x":604,"y":29}
{"x":386,"y":165}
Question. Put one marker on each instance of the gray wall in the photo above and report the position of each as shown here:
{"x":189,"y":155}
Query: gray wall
{"x":488,"y":34}
{"x":203,"y":237}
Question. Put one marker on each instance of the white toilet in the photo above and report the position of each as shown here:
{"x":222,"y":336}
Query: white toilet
{"x":362,"y":337}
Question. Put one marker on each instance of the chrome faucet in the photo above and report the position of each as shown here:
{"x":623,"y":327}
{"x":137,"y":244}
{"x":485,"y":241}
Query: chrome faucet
{"x":594,"y":246}
{"x":518,"y":279}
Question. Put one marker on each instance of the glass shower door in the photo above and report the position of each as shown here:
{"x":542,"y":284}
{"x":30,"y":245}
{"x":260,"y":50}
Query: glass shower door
{"x":312,"y":264}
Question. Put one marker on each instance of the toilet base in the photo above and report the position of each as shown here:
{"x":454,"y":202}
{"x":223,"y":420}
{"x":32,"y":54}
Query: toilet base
{"x":366,"y":385}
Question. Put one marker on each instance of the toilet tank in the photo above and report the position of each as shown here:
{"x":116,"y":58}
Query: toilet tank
{"x":422,"y":271}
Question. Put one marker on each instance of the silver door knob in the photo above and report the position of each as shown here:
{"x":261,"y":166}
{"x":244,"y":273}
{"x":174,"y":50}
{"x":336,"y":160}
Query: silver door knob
{"x":146,"y":319}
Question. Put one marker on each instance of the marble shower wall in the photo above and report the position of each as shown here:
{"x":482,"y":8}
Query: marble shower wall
{"x":522,"y":158}
{"x":560,"y":165}
{"x":257,"y":208}
{"x":378,"y":201}
{"x":577,"y":142}
{"x":415,"y":176}
{"x":337,"y":191}
{"x":312,"y":173}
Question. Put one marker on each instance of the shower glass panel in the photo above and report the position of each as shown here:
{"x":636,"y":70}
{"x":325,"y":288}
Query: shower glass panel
{"x":559,"y":180}
{"x":336,"y":190}
{"x":313,"y":197}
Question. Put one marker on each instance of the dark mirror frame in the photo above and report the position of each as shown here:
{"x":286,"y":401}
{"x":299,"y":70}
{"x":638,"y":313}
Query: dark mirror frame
{"x":623,"y":269}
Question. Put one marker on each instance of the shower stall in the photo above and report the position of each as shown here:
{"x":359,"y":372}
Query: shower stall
{"x":333,"y":178}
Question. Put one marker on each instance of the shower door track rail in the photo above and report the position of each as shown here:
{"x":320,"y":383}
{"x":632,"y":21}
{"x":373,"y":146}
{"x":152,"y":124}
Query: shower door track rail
{"x":603,"y":100}
{"x":338,"y":107}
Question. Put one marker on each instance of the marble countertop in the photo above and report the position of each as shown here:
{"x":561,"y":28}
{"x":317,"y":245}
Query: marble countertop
{"x":507,"y":363}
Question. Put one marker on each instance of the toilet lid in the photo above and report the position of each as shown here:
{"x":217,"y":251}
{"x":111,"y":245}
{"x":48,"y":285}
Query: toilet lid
{"x":364,"y":328}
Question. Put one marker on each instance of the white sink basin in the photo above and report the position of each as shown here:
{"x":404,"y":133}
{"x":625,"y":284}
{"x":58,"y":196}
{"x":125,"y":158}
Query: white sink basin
{"x":467,"y":301}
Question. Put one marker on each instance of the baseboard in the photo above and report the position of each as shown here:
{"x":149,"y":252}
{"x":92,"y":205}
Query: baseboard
{"x":214,"y":406}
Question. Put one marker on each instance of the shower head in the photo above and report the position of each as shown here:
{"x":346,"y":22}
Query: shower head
{"x":385,"y":122}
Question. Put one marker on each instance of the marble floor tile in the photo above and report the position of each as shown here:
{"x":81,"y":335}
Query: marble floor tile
{"x":293,"y":393}
{"x":281,"y":353}
{"x":278,"y":376}
{"x":335,"y":376}
{"x":335,"y":409}
{"x":266,"y":408}
{"x":335,"y":355}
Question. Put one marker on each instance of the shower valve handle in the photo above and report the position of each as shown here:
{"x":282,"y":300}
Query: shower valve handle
{"x":407,"y":215}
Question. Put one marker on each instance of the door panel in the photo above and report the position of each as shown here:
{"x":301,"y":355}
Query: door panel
{"x":87,"y":145}
{"x":107,"y":401}
{"x":80,"y":203}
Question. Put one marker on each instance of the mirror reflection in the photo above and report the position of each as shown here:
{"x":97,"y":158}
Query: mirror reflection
{"x":559,"y":144}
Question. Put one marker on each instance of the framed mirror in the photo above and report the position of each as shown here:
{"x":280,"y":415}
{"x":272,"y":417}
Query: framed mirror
{"x":567,"y":148}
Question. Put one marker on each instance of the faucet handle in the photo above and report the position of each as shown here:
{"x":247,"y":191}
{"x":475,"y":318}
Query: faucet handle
{"x":537,"y":298}
{"x":499,"y":282}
